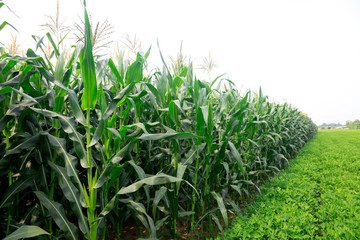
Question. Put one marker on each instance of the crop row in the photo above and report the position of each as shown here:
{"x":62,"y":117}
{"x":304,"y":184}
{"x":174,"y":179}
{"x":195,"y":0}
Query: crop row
{"x":91,"y":146}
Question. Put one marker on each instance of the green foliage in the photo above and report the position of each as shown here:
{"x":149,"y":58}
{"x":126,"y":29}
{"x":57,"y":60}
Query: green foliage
{"x":317,"y":198}
{"x":353,"y":124}
{"x":26,"y":232}
{"x":158,"y":150}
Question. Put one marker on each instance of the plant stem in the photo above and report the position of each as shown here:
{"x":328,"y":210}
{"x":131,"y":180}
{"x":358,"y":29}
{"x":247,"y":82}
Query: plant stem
{"x":91,"y":182}
{"x":194,"y":193}
{"x":9,"y":209}
{"x":52,"y":174}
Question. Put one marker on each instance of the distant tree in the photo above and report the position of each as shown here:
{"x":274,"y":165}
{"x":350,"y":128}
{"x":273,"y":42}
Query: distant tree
{"x":331,"y":125}
{"x":353,"y":124}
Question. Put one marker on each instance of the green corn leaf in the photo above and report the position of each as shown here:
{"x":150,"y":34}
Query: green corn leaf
{"x":177,"y":82}
{"x":171,"y":135}
{"x":27,"y":144}
{"x":57,"y":212}
{"x":190,"y":156}
{"x":115,"y":132}
{"x":120,"y":96}
{"x":9,"y":66}
{"x":154,"y":100}
{"x":138,"y":207}
{"x":134,"y":73}
{"x":159,"y":223}
{"x":124,"y":151}
{"x":235,"y":153}
{"x":162,"y":58}
{"x":31,"y":60}
{"x":8,"y":89}
{"x":150,"y":181}
{"x":141,"y":174}
{"x":205,"y":112}
{"x":235,"y":207}
{"x":98,"y":133}
{"x":70,"y":161}
{"x":20,"y":184}
{"x":74,"y":103}
{"x":147,"y":53}
{"x":253,"y":142}
{"x":142,"y":126}
{"x":221,"y":205}
{"x":5,"y":90}
{"x":73,"y":195}
{"x":180,"y":173}
{"x":217,"y":222}
{"x":210,"y":121}
{"x":26,"y":231}
{"x":57,"y":53}
{"x":87,"y":65}
{"x":60,"y":66}
{"x":106,"y":173}
{"x":114,"y":176}
{"x":174,"y":107}
{"x":154,"y":91}
{"x":59,"y":101}
{"x":4,"y":23}
{"x":115,"y":71}
{"x":68,"y":126}
{"x":159,"y":194}
{"x":200,"y":124}
{"x":215,"y":80}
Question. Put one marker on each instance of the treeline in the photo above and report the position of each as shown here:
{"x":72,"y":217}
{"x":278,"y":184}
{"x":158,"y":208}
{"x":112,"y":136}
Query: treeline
{"x":353,"y":124}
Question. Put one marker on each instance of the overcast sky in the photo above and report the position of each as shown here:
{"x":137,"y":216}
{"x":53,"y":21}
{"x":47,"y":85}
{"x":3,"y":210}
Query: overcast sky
{"x":303,"y":52}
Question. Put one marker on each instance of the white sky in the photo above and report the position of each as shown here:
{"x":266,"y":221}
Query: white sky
{"x":303,"y":52}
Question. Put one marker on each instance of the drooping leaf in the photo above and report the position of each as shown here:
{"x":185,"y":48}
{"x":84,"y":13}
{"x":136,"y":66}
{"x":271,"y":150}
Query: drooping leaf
{"x":70,"y":160}
{"x":151,"y":181}
{"x":57,"y":212}
{"x":221,"y":205}
{"x":98,"y":132}
{"x":74,"y":103}
{"x":111,"y":107}
{"x":73,"y":195}
{"x":159,"y":194}
{"x":237,"y":157}
{"x":19,"y":185}
{"x":68,"y":125}
{"x":24,"y":145}
{"x":158,"y":136}
{"x":141,"y":209}
{"x":26,"y":231}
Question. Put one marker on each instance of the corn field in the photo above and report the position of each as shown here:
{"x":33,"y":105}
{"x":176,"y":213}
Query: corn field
{"x":89,"y":146}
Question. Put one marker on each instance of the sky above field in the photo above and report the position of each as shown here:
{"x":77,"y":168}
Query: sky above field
{"x":306,"y":53}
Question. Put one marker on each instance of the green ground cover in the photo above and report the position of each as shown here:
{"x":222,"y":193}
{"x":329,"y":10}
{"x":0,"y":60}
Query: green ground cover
{"x":316,"y":198}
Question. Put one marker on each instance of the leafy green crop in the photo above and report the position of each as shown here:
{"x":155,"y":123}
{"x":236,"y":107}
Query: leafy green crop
{"x":316,"y":198}
{"x":89,"y":145}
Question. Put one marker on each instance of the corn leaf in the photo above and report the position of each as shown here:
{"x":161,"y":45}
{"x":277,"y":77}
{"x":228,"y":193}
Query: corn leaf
{"x":221,"y":206}
{"x":26,"y":231}
{"x":87,"y":65}
{"x":57,"y":212}
{"x":19,"y":185}
{"x":73,"y":195}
